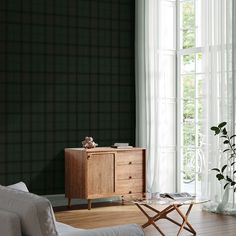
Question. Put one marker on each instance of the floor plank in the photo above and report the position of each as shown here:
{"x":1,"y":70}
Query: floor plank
{"x":205,"y":223}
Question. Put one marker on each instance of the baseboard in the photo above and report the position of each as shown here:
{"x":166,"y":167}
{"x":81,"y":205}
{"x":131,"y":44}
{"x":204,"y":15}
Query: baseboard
{"x":60,"y":200}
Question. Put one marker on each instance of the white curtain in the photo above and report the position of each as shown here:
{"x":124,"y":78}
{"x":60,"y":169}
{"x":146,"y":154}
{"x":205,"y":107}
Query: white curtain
{"x":156,"y":85}
{"x":219,"y":95}
{"x":155,"y":90}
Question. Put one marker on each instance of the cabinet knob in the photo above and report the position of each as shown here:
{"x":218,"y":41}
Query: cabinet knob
{"x":130,"y":192}
{"x":130,"y":177}
{"x":130,"y":163}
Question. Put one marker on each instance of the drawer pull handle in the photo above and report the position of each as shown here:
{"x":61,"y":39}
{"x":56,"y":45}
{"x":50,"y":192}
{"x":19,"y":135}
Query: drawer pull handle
{"x":130,"y":163}
{"x":130,"y":177}
{"x":130,"y":192}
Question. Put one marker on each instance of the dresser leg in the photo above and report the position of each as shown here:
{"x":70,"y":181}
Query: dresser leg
{"x":69,"y":202}
{"x":122,"y":200}
{"x":89,"y":204}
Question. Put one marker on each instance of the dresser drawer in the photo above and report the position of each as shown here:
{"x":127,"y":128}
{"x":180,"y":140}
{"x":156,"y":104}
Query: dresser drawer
{"x":128,"y":158}
{"x":130,"y":186}
{"x":134,"y":171}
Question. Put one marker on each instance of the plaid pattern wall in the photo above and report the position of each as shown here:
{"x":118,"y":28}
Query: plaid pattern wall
{"x":66,"y":72}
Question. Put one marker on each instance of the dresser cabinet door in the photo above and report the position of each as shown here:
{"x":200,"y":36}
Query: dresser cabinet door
{"x":100,"y":174}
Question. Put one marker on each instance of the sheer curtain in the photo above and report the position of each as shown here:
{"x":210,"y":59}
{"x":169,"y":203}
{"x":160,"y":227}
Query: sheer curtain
{"x":219,"y":95}
{"x":155,"y":90}
{"x":155,"y":37}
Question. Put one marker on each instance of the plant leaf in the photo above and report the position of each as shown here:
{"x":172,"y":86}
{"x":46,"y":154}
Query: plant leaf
{"x":224,"y":131}
{"x":234,"y":171}
{"x":223,"y":136}
{"x":219,"y":177}
{"x":216,"y":169}
{"x":226,"y":141}
{"x":226,"y":150}
{"x":228,"y":179}
{"x":223,"y":168}
{"x":222,"y":124}
{"x":233,"y":183}
{"x":232,"y":163}
{"x":214,"y":128}
{"x":233,"y":136}
{"x":226,"y":185}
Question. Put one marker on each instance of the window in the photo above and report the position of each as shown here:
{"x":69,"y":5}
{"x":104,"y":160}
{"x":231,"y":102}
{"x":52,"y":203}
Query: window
{"x":197,"y":47}
{"x":190,"y":70}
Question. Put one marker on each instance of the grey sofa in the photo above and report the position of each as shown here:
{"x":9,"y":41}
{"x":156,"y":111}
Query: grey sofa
{"x":26,"y":214}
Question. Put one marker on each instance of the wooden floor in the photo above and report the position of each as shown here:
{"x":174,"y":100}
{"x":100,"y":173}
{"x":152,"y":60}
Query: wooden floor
{"x":205,"y":224}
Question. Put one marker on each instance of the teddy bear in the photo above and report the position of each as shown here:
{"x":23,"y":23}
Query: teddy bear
{"x":89,"y":143}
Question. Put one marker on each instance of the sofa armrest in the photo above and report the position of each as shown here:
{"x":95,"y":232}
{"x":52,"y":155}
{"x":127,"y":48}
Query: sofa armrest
{"x":121,"y":230}
{"x":9,"y":223}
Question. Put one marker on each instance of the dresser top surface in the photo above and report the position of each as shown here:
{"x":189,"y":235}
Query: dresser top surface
{"x":103,"y":149}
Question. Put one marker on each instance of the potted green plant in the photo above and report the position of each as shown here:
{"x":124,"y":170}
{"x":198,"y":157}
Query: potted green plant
{"x":227,"y":173}
{"x":230,"y":149}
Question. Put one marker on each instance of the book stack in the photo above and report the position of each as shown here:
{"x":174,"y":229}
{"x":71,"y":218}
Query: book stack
{"x":178,"y":196}
{"x":121,"y":145}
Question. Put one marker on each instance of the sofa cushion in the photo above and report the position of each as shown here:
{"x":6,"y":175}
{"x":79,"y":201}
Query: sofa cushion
{"x":35,"y":212}
{"x":20,"y":186}
{"x":119,"y":230}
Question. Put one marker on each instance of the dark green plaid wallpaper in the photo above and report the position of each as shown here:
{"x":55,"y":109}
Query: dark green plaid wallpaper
{"x":66,"y":72}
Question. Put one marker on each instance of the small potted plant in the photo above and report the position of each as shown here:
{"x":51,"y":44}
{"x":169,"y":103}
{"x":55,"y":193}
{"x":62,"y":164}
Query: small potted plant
{"x":231,"y":150}
{"x":227,"y":172}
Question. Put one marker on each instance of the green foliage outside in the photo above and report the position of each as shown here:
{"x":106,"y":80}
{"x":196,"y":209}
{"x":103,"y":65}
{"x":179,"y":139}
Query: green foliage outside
{"x":188,"y":24}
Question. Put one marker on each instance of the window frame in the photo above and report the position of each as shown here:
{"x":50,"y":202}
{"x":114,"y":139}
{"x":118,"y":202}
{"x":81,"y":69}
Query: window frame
{"x":179,"y":88}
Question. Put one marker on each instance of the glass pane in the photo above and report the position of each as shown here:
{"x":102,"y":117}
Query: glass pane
{"x":199,"y":79}
{"x":199,"y":63}
{"x":188,"y":109}
{"x":181,"y":39}
{"x":199,"y":135}
{"x":188,"y":171}
{"x":199,"y":23}
{"x":188,"y":38}
{"x":188,"y":86}
{"x":200,"y":160}
{"x":189,"y":134}
{"x":187,"y":63}
{"x":189,"y":164}
{"x":187,"y":23}
{"x":199,"y":103}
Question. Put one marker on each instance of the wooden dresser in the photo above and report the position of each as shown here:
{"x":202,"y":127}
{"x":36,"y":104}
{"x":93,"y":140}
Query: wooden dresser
{"x":104,"y":172}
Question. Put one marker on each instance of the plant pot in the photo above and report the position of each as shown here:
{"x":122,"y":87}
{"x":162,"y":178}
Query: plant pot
{"x":225,"y":199}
